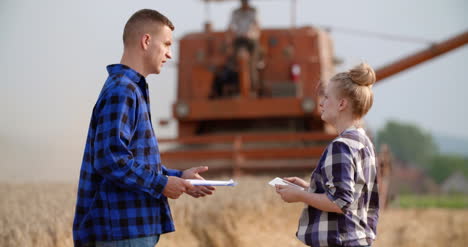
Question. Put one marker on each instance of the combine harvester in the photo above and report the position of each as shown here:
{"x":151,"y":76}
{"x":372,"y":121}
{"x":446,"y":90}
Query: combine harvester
{"x":275,"y":126}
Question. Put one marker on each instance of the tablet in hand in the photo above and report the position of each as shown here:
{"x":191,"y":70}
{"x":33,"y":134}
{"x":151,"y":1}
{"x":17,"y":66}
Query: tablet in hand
{"x":281,"y":181}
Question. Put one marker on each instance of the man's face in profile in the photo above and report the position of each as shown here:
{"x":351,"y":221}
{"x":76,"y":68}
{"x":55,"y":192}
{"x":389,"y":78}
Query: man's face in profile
{"x":159,"y":49}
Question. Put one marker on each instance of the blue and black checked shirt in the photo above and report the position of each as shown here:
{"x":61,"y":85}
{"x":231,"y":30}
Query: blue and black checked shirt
{"x":122,"y":179}
{"x":347,"y":174}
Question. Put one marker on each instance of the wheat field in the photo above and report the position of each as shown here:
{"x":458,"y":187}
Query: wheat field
{"x":250,"y":214}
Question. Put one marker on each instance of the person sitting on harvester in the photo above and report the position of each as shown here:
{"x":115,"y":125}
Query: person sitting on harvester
{"x":244,"y":32}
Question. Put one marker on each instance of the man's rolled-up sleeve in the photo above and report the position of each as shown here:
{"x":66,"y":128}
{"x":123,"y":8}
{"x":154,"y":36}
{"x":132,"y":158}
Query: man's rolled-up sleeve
{"x":339,"y":170}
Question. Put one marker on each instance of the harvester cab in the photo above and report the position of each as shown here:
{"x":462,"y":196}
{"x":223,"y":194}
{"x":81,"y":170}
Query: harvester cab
{"x":224,"y":91}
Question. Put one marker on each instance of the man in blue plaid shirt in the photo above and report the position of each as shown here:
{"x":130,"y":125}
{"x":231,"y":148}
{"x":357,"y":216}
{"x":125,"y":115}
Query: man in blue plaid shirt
{"x":123,"y":187}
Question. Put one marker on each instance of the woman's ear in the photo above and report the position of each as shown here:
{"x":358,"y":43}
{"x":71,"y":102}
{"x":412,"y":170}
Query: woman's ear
{"x":343,"y":104}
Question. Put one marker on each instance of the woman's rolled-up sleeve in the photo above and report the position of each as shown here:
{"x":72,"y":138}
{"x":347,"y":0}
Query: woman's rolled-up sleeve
{"x":338,"y":171}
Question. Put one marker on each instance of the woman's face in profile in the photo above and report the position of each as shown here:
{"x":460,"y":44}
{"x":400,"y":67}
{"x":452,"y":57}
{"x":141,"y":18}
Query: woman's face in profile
{"x":329,"y":104}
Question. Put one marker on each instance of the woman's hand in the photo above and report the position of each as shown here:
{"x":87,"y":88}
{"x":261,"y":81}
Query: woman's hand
{"x":298,"y":181}
{"x":289,"y":193}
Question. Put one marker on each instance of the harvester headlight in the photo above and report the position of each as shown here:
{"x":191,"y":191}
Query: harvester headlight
{"x":182,"y":109}
{"x":308,"y":105}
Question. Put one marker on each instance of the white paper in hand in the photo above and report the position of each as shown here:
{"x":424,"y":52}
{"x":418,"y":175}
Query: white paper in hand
{"x":200,"y":182}
{"x":281,"y":181}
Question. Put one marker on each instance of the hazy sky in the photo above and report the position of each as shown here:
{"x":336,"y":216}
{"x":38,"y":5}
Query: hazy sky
{"x":54,"y":53}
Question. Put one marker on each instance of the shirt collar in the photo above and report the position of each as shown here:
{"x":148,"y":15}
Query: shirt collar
{"x":351,"y":128}
{"x":132,"y":74}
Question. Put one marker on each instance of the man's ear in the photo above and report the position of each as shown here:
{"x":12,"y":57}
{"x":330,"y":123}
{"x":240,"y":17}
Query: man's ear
{"x":145,"y":41}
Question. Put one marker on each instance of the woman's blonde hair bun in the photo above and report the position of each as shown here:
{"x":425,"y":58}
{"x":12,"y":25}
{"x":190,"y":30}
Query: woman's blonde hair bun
{"x":363,"y":75}
{"x":356,"y":84}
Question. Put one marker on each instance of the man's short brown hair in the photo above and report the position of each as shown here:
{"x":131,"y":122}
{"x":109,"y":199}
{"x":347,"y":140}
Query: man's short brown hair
{"x":140,"y":23}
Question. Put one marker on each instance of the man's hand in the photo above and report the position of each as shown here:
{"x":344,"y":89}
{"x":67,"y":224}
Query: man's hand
{"x":175,"y":187}
{"x":200,"y":191}
{"x":298,"y":181}
{"x":197,"y":191}
{"x":192,"y":173}
{"x":288,"y":193}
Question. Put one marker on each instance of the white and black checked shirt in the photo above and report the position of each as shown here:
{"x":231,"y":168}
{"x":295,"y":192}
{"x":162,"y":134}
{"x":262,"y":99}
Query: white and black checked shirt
{"x":347,"y":174}
{"x":244,"y":22}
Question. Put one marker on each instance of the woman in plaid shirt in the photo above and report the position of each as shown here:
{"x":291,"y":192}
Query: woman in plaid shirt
{"x":342,"y":202}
